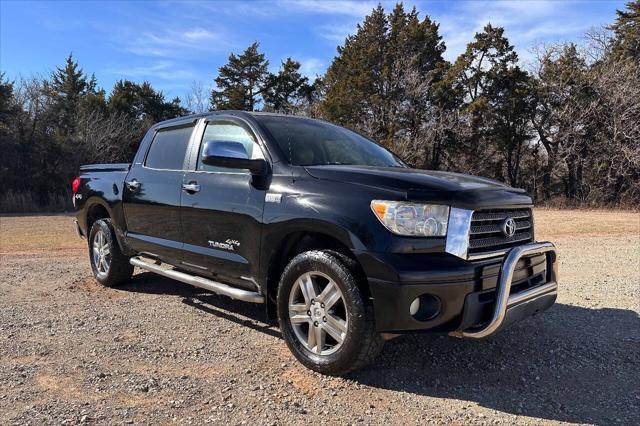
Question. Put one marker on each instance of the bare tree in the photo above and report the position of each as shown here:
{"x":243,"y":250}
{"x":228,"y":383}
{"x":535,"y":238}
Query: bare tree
{"x":587,"y":118}
{"x":615,"y":160}
{"x":109,"y":138}
{"x":197,"y":100}
{"x":599,"y":43}
{"x":563,"y":114}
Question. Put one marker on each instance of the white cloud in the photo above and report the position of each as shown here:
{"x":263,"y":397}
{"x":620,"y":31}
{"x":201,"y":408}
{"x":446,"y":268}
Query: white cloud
{"x":530,"y":7}
{"x":165,"y":70}
{"x":335,"y":33}
{"x":233,"y":8}
{"x":199,"y":34}
{"x":173,"y":43}
{"x":312,"y":67}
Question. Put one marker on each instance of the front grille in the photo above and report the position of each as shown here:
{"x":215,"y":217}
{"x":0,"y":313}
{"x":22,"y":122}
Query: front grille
{"x":486,"y":230}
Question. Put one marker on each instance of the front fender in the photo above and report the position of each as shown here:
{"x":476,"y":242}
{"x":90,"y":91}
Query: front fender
{"x":275,"y":235}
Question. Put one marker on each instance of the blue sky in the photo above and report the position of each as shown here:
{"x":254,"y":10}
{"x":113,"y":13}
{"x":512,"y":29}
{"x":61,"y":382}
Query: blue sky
{"x":173,"y":43}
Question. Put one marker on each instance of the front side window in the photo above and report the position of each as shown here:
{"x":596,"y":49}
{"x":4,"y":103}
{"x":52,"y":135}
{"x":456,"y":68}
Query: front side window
{"x":307,"y":142}
{"x":228,"y":131}
{"x":168,"y":149}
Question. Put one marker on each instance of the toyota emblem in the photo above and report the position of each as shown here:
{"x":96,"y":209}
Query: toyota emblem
{"x":509,"y":227}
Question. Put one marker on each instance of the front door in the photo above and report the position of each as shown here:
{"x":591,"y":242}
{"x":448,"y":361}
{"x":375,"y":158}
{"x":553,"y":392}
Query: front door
{"x":222,"y":210}
{"x":151,"y":196}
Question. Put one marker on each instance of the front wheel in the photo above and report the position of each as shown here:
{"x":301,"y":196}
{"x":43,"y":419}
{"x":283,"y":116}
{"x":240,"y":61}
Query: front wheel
{"x":109,"y":265}
{"x":325,"y":321}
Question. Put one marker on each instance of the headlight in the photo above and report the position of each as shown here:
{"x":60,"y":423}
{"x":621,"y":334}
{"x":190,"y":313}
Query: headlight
{"x":412,"y":219}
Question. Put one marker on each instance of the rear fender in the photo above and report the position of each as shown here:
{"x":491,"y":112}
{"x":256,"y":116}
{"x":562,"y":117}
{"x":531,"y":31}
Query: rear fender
{"x":115,"y":214}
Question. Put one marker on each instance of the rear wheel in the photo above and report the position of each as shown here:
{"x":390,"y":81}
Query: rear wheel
{"x":109,"y":265}
{"x":324,"y":319}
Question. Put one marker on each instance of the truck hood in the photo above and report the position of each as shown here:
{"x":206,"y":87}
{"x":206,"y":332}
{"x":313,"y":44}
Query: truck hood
{"x":424,"y":185}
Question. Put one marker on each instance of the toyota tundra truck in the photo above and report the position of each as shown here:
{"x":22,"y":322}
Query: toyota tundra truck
{"x":339,"y":239}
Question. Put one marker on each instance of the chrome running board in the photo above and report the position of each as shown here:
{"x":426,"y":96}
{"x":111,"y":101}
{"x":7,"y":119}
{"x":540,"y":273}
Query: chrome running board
{"x":194,"y":280}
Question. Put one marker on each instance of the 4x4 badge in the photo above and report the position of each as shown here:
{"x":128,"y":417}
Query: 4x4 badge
{"x":272,"y":197}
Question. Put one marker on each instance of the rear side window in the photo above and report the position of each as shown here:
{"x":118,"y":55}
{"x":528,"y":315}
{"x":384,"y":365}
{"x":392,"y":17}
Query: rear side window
{"x":168,"y":149}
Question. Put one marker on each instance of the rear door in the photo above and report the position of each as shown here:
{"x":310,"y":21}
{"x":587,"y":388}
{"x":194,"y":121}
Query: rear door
{"x":152,"y":193}
{"x":221,"y":220}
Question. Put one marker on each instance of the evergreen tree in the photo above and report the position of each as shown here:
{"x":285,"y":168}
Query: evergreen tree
{"x":68,"y":86}
{"x":287,"y":89}
{"x":174,"y":109}
{"x":124,"y":99}
{"x":415,"y":68}
{"x":627,"y":31}
{"x":94,"y":100}
{"x":354,"y":80}
{"x":9,"y":143}
{"x":381,"y":82}
{"x":143,"y":102}
{"x":497,"y":96}
{"x":152,"y":103}
{"x":8,"y":107}
{"x":240,"y":82}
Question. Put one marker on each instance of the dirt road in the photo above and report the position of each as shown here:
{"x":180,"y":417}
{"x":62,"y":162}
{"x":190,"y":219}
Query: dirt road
{"x":158,"y":351}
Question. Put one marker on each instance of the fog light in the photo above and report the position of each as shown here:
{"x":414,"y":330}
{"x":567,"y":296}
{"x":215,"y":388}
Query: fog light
{"x":425,"y":307}
{"x":415,"y":305}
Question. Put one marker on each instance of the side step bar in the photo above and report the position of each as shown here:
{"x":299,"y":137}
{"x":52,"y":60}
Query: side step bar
{"x":194,"y":280}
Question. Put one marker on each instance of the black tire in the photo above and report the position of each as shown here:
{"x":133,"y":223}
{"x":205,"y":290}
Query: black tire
{"x":119,"y":269}
{"x":361,"y":343}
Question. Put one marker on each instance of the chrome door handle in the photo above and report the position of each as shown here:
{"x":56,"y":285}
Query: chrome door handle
{"x":190,"y":187}
{"x":133,"y":185}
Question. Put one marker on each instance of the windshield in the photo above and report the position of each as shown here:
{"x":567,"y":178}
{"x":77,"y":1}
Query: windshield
{"x":307,"y":142}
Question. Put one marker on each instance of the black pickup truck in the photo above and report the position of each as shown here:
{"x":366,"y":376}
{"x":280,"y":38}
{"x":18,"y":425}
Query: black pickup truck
{"x":340,"y":240}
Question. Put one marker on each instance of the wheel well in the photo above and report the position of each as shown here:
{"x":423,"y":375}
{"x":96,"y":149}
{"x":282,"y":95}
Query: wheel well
{"x":299,"y":242}
{"x":96,"y":212}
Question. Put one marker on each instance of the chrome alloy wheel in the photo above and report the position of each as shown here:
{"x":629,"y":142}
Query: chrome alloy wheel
{"x":318,"y":313}
{"x":101,"y":253}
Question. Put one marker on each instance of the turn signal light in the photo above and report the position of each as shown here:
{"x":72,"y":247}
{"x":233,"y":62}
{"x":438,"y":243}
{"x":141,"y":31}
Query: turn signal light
{"x":75,"y":184}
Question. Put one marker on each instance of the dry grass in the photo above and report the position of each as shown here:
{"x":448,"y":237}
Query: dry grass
{"x":38,"y":234}
{"x":552,"y":224}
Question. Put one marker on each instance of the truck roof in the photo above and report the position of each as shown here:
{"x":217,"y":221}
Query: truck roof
{"x":239,"y":113}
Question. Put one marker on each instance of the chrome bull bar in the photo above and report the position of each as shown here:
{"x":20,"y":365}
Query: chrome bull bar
{"x":504,"y":298}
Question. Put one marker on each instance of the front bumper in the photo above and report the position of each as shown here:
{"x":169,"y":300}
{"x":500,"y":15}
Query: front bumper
{"x":471,"y":299}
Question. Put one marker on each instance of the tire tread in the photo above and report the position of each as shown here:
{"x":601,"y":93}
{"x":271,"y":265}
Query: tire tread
{"x":120,"y":270}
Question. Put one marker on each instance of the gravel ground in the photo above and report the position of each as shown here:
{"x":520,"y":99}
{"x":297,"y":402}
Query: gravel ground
{"x":158,"y":351}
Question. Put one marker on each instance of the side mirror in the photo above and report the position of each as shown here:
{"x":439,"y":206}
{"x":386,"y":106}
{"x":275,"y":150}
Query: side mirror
{"x":231,"y":155}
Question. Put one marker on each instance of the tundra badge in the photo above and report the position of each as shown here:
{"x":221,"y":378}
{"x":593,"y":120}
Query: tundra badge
{"x":227,"y":245}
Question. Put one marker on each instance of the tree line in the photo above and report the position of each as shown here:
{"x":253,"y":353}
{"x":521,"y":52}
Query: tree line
{"x":566,"y":128}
